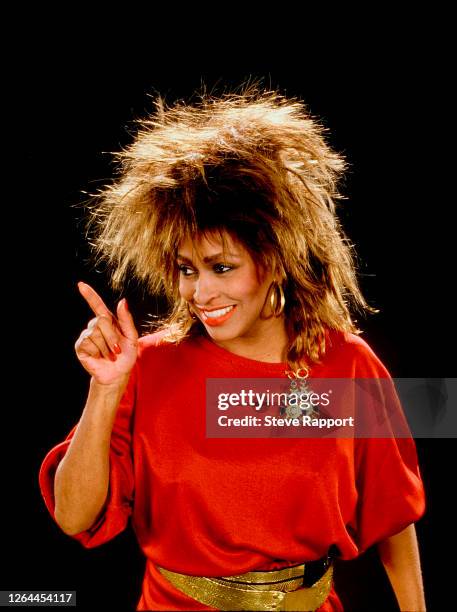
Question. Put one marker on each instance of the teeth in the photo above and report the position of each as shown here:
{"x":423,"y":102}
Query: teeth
{"x":218,"y":313}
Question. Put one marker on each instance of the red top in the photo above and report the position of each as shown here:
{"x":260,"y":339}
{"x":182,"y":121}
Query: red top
{"x":216,"y":507}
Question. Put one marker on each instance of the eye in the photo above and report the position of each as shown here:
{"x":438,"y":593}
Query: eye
{"x":222,"y":268}
{"x":185,"y":270}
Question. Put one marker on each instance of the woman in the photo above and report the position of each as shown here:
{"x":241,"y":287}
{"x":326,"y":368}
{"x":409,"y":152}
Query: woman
{"x":228,"y":207}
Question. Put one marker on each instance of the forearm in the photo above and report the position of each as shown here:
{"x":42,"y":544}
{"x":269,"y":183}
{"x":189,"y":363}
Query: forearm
{"x":82,"y":477}
{"x":400,"y":557}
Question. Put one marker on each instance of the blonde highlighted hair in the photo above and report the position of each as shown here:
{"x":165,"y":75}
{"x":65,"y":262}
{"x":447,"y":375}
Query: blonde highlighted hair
{"x":253,"y":164}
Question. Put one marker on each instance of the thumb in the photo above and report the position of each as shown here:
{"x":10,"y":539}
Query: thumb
{"x":125,"y":320}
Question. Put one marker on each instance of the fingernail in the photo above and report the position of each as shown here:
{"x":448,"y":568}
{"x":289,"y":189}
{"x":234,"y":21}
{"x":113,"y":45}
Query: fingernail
{"x":117,"y":348}
{"x":112,"y":357}
{"x":126,"y":306}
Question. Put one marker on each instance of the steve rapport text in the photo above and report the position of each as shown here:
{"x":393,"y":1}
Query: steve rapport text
{"x":273,"y":421}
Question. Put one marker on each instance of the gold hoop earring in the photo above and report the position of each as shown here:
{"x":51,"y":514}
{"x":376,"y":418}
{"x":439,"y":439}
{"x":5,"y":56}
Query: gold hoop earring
{"x":276,"y":300}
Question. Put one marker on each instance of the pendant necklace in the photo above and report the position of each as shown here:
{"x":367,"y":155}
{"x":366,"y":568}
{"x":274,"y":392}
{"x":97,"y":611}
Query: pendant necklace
{"x":299,"y":387}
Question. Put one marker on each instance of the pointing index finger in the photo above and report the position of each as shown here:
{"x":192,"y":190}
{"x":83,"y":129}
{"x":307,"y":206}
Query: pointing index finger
{"x":96,"y":303}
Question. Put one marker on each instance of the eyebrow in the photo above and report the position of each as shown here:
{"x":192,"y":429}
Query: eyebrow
{"x":210,"y":258}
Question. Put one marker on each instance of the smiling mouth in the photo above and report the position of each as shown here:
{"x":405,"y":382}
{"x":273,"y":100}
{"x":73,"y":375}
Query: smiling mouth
{"x":216,"y":317}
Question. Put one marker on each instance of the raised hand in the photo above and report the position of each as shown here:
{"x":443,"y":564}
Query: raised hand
{"x":108,"y":347}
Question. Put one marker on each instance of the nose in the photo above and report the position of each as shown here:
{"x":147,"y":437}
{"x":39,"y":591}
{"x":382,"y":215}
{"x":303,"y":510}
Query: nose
{"x":205,"y":289}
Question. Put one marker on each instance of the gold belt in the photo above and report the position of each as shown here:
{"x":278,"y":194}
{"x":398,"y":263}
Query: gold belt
{"x":271,"y":590}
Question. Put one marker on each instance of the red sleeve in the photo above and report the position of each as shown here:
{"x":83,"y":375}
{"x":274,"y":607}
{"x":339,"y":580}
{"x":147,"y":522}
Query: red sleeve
{"x":388,"y":480}
{"x":118,"y":507}
{"x":391,"y":493}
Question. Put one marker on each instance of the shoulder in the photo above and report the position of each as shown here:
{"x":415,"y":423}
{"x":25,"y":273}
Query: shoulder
{"x":156,"y":339}
{"x":352,"y":352}
{"x":156,"y":352}
{"x":156,"y":342}
{"x":162,"y":345}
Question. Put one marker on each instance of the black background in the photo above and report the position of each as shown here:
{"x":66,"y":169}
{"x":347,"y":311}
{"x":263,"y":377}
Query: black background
{"x":74,"y":96}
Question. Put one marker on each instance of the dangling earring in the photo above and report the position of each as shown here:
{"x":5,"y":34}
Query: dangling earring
{"x":192,"y":315}
{"x":277,"y":298}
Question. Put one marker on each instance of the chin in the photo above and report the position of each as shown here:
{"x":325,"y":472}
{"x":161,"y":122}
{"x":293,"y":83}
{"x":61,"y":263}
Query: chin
{"x":218,"y":333}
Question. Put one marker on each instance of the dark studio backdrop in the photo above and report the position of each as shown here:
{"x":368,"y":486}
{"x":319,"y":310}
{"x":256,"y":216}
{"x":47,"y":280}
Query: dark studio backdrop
{"x":77,"y":99}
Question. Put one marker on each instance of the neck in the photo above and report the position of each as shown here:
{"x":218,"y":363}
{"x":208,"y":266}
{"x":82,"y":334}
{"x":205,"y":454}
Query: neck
{"x":270,"y":346}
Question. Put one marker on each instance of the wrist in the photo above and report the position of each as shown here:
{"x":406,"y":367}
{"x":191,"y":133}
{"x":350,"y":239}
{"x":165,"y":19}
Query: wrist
{"x":107,"y":394}
{"x":111,"y":387}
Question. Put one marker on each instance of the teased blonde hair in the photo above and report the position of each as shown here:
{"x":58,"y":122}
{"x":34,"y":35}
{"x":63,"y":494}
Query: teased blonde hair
{"x":256,"y":165}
